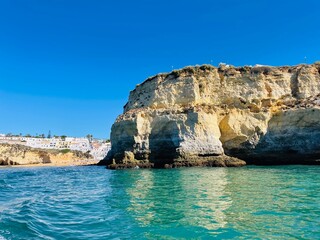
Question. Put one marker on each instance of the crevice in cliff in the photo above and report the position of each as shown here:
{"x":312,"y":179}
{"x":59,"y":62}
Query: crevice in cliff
{"x":208,"y":155}
{"x":294,"y":84}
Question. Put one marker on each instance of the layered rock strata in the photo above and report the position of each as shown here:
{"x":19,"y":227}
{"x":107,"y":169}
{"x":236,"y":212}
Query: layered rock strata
{"x":199,"y":115}
{"x":15,"y":154}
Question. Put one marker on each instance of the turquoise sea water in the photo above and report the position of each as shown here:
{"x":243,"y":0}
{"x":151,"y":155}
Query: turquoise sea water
{"x":280,"y":202}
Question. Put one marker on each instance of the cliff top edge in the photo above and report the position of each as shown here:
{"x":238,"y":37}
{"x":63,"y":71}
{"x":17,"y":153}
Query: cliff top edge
{"x":225,"y":68}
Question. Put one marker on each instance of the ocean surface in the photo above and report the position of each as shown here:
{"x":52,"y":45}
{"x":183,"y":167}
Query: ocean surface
{"x":277,"y":202}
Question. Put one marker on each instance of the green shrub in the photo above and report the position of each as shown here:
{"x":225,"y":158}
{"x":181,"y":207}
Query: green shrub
{"x":65,"y":150}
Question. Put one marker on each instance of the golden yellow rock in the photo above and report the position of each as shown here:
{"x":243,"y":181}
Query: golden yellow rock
{"x":14,"y":154}
{"x":261,"y":114}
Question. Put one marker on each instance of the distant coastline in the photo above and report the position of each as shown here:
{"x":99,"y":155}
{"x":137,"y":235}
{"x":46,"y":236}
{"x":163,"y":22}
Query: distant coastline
{"x":98,"y":148}
{"x":71,"y":164}
{"x":21,"y":155}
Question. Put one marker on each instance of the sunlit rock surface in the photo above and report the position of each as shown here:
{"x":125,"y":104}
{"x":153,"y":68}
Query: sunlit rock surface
{"x":202,"y":115}
{"x":15,"y":154}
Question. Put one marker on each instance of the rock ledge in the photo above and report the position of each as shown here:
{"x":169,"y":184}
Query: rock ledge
{"x":196,"y":115}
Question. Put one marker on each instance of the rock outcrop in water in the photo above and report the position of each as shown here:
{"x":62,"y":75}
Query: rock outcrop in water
{"x":199,"y":115}
{"x":15,"y":154}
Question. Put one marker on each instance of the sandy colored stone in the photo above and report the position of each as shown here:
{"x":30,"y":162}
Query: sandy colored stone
{"x":15,"y":154}
{"x":252,"y":113}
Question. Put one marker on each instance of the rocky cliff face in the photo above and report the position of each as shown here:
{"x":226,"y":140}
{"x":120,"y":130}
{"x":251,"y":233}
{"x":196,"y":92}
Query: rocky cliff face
{"x":262,"y":114}
{"x":14,"y":154}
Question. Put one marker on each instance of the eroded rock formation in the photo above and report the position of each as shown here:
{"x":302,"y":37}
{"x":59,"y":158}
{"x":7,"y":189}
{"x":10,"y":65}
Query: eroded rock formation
{"x":196,"y":115}
{"x":15,"y":154}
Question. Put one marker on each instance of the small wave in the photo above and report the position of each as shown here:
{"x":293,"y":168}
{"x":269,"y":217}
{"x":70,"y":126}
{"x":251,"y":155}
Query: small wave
{"x":4,"y":184}
{"x":64,"y":203}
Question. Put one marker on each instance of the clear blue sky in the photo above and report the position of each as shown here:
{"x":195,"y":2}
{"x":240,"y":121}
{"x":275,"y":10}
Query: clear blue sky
{"x":68,"y":66}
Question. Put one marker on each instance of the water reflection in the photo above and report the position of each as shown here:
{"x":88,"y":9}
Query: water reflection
{"x":225,"y":203}
{"x":180,"y":196}
{"x":266,"y":202}
{"x":139,"y":200}
{"x":208,"y":199}
{"x":196,"y":203}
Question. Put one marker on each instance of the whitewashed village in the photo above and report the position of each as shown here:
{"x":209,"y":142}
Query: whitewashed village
{"x":98,"y":148}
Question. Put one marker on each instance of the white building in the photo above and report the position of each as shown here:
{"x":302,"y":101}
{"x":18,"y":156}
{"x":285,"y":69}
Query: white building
{"x":100,"y":150}
{"x":80,"y":144}
{"x":97,"y":148}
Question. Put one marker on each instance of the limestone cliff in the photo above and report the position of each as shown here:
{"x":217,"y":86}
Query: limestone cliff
{"x":14,"y":154}
{"x":261,"y":114}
